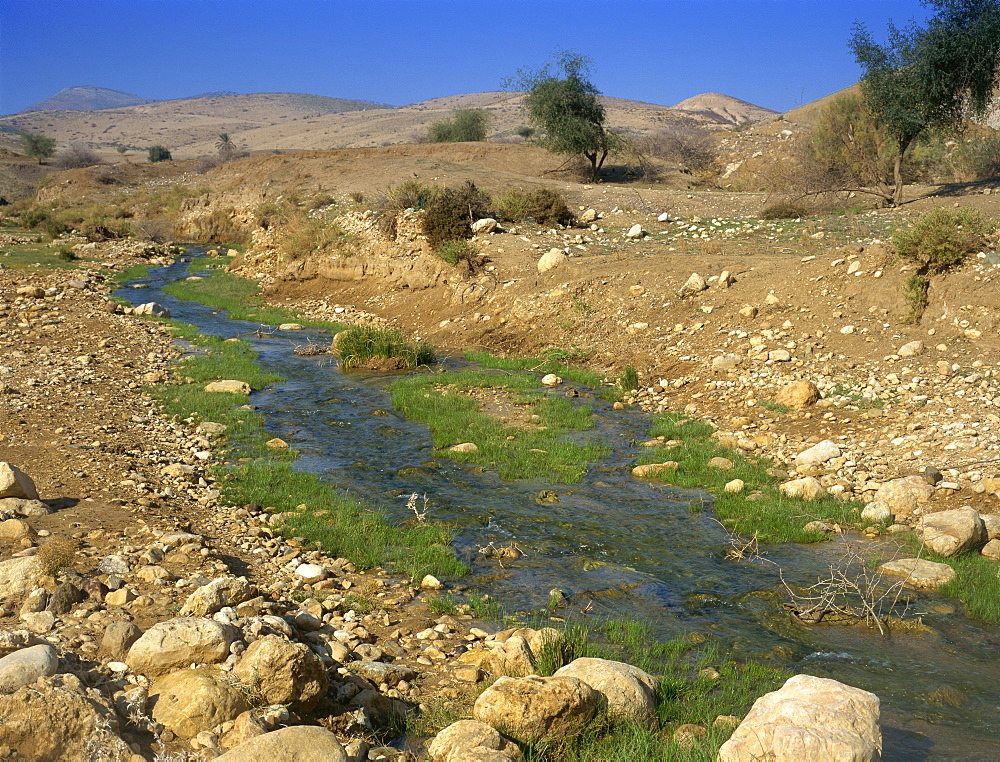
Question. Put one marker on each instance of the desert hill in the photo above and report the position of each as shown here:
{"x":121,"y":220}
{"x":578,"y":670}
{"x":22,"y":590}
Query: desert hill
{"x":86,"y":98}
{"x":724,"y":108}
{"x":294,"y":121}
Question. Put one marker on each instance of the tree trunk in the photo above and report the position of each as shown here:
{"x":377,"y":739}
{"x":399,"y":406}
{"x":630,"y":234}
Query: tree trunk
{"x":897,"y":171}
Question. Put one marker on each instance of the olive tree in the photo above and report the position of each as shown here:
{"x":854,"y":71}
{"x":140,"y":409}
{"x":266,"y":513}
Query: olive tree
{"x":37,"y":146}
{"x":563,"y":102}
{"x":930,"y":77}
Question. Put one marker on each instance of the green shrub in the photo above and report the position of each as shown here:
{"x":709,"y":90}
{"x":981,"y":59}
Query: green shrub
{"x":784,"y":210}
{"x":544,"y":206}
{"x":629,"y":379}
{"x":915,"y":293}
{"x":66,"y":254}
{"x":512,"y":205}
{"x":407,"y":195}
{"x":380,"y":349}
{"x":467,"y":125}
{"x":159,"y":153}
{"x":454,"y":252}
{"x":549,"y":208}
{"x":32,"y":218}
{"x":449,"y":214}
{"x":54,"y":226}
{"x":942,"y":238}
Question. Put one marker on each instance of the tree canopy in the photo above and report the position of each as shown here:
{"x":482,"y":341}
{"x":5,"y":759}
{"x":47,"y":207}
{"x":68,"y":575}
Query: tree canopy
{"x":930,"y":77}
{"x":38,"y":146}
{"x":563,"y":102}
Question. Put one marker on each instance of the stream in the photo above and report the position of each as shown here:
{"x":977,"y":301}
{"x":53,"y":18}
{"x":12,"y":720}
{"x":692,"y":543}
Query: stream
{"x":620,"y":547}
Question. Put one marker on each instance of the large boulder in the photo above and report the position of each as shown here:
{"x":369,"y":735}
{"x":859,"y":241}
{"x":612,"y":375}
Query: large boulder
{"x":468,"y":738}
{"x":950,"y":532}
{"x":806,"y":488}
{"x":798,"y":394}
{"x":217,"y":594}
{"x":904,"y":495}
{"x":808,"y":718}
{"x":550,"y":259}
{"x":531,"y":708}
{"x":178,"y":643}
{"x":192,"y":700}
{"x":228,"y":385}
{"x":300,"y":743}
{"x":27,"y":665}
{"x":15,"y":483}
{"x":281,"y":672}
{"x":59,"y":718}
{"x":622,"y":689}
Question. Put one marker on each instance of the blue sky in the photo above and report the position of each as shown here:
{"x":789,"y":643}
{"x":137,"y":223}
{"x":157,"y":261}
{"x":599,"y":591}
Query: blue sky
{"x":775,"y":53}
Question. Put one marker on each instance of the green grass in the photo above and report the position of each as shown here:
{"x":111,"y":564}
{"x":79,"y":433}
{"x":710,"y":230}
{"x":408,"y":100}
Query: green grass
{"x":131,"y":273}
{"x":774,"y":407}
{"x":359,"y":346}
{"x":516,"y":453}
{"x":207,"y":264}
{"x":775,"y":518}
{"x":256,"y":473}
{"x":23,"y":256}
{"x":553,"y":362}
{"x":976,"y":583}
{"x":240,"y":297}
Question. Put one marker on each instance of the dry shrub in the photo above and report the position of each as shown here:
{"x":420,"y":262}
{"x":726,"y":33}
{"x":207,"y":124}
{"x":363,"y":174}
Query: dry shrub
{"x":76,"y":157}
{"x":690,"y":147}
{"x":217,"y":227}
{"x":784,"y":210}
{"x":301,"y":234}
{"x":107,"y":174}
{"x":406,"y":195}
{"x":449,"y":214}
{"x":56,"y":554}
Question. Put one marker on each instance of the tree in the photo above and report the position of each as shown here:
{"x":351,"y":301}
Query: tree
{"x":225,"y":146}
{"x":159,"y":153}
{"x":565,"y":104}
{"x":931,"y":77}
{"x":849,"y":150}
{"x":38,"y":146}
{"x":467,"y":125}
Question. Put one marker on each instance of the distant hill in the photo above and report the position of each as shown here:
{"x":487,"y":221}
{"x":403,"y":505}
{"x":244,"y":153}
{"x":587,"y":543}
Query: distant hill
{"x":86,"y":99}
{"x":724,"y":108}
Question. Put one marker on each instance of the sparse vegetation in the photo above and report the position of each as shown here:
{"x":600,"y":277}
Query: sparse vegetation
{"x":784,"y":210}
{"x":454,"y":252}
{"x":380,"y":349}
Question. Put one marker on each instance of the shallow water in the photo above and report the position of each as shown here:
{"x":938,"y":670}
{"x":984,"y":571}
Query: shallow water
{"x":618,"y":546}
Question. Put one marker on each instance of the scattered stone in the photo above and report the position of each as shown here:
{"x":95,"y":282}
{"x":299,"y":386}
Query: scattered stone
{"x":635,"y":232}
{"x":904,"y":495}
{"x":15,"y":483}
{"x":301,"y":743}
{"x":465,"y":739}
{"x":911,"y":349}
{"x":551,"y":379}
{"x":284,"y":673}
{"x":484,"y":226}
{"x":735,"y":486}
{"x":622,"y":689}
{"x":806,"y":488}
{"x":27,"y":665}
{"x":589,"y":215}
{"x":877,"y":512}
{"x":950,"y":532}
{"x":217,"y":594}
{"x":151,"y":308}
{"x":230,"y":386}
{"x":192,"y":700}
{"x":532,"y":708}
{"x":550,"y":259}
{"x":919,"y":572}
{"x":464,"y":447}
{"x":818,"y":453}
{"x":119,"y":637}
{"x":276,"y":444}
{"x":179,"y":642}
{"x":430,"y":582}
{"x":693,"y":284}
{"x":652,"y":469}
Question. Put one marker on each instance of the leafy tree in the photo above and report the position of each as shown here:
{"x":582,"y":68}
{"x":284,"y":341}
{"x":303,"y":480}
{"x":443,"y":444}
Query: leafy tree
{"x":566,"y":105}
{"x":159,"y":153}
{"x":930,"y":77}
{"x":38,"y":146}
{"x":467,"y":125}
